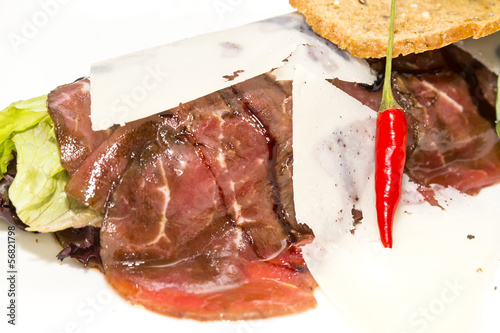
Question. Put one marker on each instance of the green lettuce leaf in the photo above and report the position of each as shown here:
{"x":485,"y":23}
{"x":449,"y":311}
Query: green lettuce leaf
{"x":37,"y":191}
{"x":498,"y":106}
{"x":18,"y":117}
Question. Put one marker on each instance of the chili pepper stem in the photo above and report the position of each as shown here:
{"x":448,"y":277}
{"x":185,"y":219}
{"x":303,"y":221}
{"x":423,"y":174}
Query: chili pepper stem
{"x":388,"y":101}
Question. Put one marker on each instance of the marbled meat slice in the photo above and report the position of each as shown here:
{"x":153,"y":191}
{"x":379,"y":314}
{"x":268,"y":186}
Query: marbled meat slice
{"x":462,"y":149}
{"x":69,"y":108}
{"x":271,"y":103}
{"x":237,"y":149}
{"x":94,"y":180}
{"x":447,"y":96}
{"x":170,"y":243}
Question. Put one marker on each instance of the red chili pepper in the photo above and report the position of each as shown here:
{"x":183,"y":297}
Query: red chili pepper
{"x":390,"y":150}
{"x":390,"y":157}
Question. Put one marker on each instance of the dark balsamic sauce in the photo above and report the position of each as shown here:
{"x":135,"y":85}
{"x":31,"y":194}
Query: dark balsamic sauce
{"x":375,"y":86}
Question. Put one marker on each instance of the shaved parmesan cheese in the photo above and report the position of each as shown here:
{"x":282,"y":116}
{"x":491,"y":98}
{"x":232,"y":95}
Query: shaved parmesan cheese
{"x":441,"y":268}
{"x":485,"y":49}
{"x":144,"y":83}
{"x":327,"y":61}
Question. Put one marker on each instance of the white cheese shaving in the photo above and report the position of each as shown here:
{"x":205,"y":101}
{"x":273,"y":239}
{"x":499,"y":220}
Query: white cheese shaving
{"x":140,"y":84}
{"x":485,"y":49}
{"x":327,"y":61}
{"x":435,"y":278}
{"x":144,"y":83}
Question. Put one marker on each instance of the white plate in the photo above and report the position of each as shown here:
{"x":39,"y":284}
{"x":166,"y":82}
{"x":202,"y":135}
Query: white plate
{"x":46,"y":43}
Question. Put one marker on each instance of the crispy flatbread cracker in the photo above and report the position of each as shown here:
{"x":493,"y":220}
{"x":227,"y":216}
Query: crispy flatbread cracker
{"x":362,"y":26}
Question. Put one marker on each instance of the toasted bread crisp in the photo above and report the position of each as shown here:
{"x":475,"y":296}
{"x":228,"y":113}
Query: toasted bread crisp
{"x":362,"y":26}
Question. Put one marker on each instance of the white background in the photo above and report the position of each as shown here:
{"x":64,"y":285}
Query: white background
{"x":45,"y":43}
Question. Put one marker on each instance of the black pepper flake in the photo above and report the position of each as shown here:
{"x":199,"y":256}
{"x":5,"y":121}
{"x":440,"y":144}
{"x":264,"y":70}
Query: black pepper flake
{"x":471,"y":236}
{"x":357,"y":216}
{"x":233,"y":76}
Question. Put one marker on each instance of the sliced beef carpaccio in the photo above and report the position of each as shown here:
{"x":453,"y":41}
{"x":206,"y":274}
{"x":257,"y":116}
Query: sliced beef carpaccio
{"x":195,"y":201}
{"x":69,"y":108}
{"x":93,"y":182}
{"x":182,"y":253}
{"x":198,"y":200}
{"x":271,"y":103}
{"x":449,"y":105}
{"x":235,"y":148}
